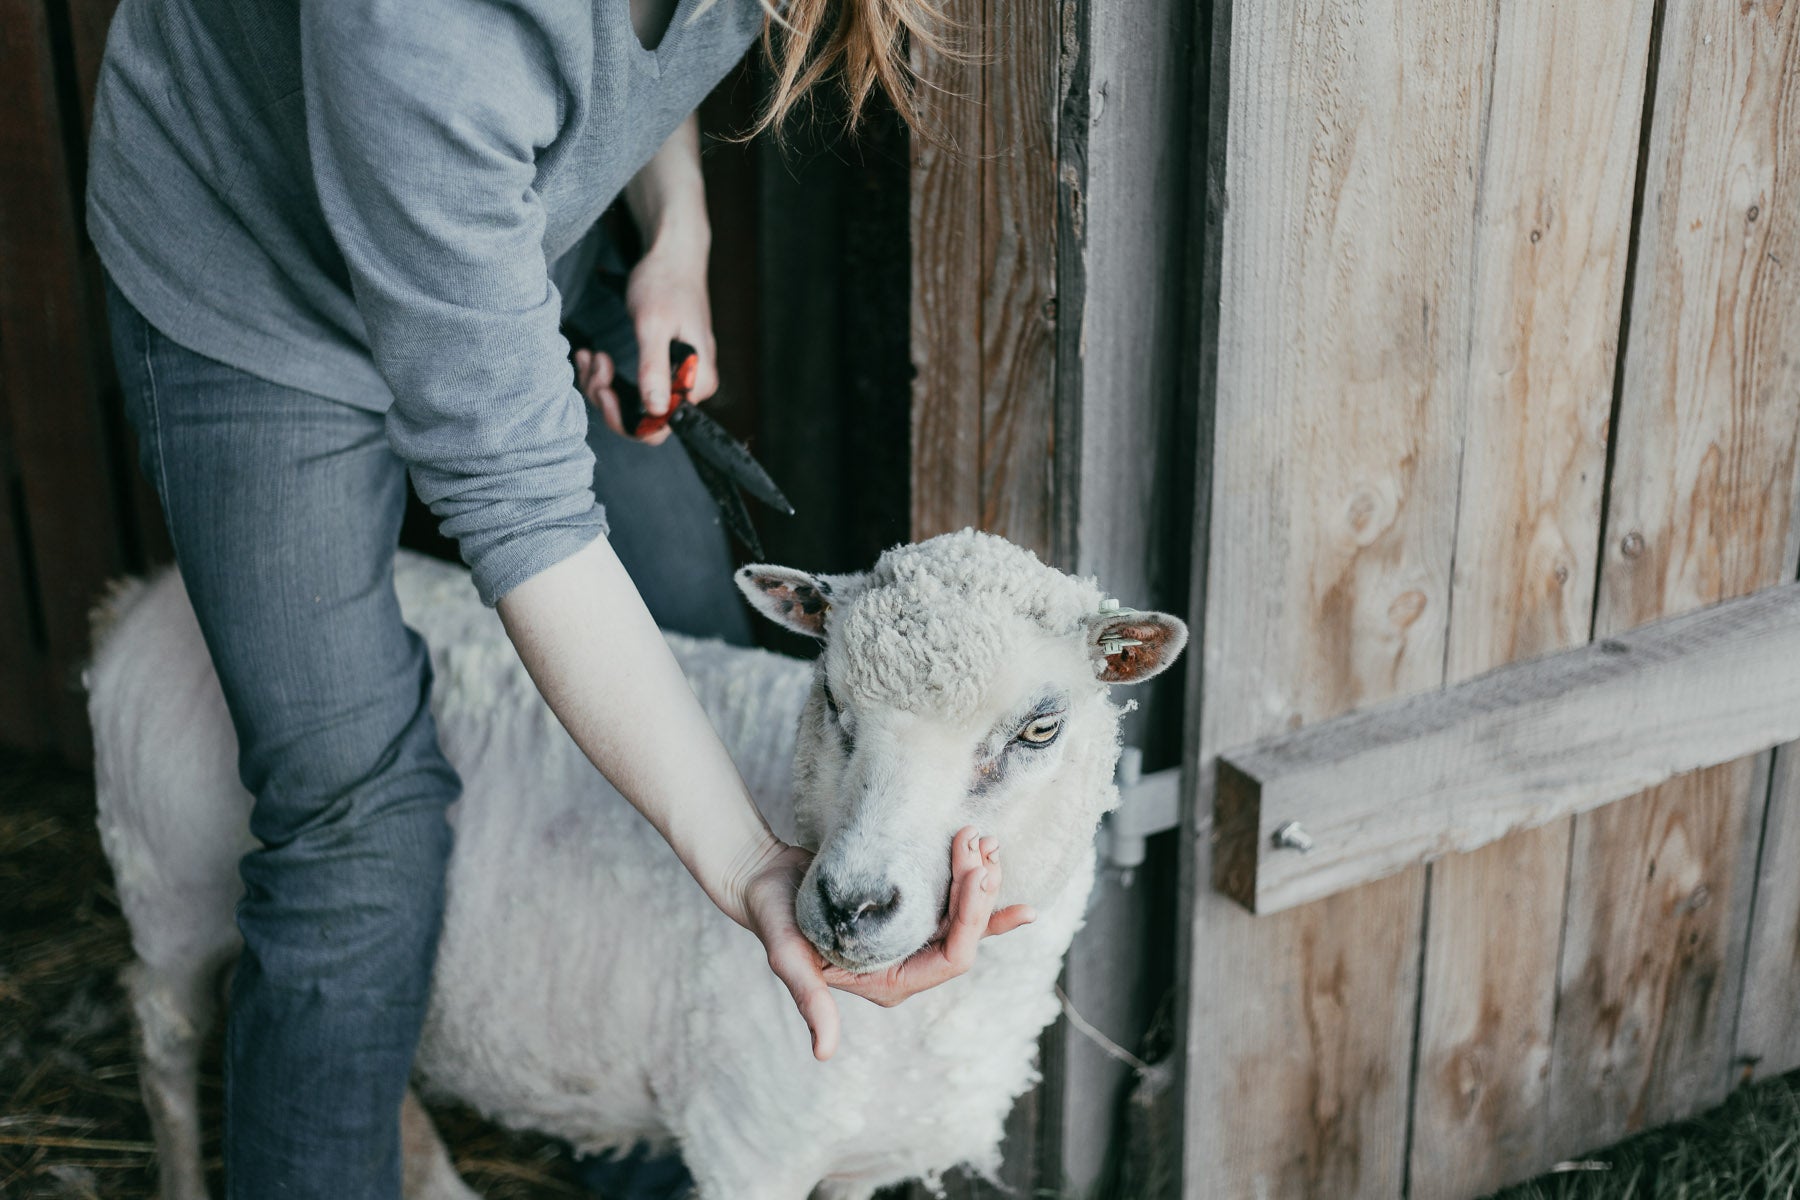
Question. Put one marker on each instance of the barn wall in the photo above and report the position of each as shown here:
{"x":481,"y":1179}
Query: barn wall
{"x":1500,"y":360}
{"x":71,"y":512}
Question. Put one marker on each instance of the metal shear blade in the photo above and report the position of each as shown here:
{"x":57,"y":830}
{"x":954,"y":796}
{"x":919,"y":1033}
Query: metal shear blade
{"x":723,"y":463}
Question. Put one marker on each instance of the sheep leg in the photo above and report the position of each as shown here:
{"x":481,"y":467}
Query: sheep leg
{"x":426,"y":1172}
{"x":174,"y":1011}
{"x":838,"y":1189}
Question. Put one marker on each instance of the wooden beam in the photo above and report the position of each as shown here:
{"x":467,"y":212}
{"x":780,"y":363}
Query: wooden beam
{"x":1404,"y":783}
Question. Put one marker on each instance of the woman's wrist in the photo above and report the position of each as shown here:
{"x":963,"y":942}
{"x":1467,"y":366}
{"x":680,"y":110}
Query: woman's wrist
{"x":667,"y":198}
{"x":731,"y":891}
{"x":682,"y":237}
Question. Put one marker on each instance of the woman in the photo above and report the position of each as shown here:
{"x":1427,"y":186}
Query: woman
{"x":329,"y":231}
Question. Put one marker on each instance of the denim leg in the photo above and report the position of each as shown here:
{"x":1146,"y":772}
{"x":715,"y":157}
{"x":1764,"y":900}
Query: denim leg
{"x":284,"y":510}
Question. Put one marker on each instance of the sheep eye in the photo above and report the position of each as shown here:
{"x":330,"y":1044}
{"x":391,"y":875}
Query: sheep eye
{"x":1041,"y":731}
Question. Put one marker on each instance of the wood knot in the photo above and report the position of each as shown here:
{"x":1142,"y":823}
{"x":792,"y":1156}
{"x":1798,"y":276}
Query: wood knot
{"x":1632,"y":544}
{"x":1406,"y":608}
{"x":1368,"y":515}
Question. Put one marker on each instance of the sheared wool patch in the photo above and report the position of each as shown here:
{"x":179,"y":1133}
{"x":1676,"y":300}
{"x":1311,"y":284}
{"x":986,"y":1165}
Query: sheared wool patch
{"x":931,"y":622}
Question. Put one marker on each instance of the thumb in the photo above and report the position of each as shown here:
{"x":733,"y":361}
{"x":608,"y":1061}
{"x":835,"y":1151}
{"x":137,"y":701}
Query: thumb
{"x":806,"y":984}
{"x":653,"y":367}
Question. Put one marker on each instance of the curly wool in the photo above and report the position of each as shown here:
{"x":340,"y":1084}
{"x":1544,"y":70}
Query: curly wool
{"x":931,"y":622}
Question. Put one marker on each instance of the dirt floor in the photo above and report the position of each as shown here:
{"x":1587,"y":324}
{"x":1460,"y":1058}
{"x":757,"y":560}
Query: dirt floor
{"x":71,"y":1124}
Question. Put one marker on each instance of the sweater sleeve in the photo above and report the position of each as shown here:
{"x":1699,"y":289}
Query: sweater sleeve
{"x":423,"y":126}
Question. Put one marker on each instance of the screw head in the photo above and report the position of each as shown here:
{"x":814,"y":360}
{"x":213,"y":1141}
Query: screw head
{"x":1291,"y":836}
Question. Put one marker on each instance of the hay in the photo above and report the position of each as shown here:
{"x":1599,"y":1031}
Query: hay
{"x":71,"y":1123}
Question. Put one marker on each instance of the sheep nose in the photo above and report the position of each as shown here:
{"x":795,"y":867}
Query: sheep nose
{"x":857,"y":910}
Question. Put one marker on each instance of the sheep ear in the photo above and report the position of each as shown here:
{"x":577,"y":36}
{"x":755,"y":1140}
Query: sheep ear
{"x":787,"y":597}
{"x":1127,"y":646}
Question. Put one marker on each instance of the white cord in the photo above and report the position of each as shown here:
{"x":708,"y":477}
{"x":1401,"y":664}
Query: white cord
{"x":1087,"y":1030}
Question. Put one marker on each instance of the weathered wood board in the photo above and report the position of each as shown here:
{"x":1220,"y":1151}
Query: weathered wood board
{"x":1019,"y":265}
{"x":22,"y":718}
{"x":1768,"y":1038}
{"x":1553,"y":234}
{"x":984,"y":335}
{"x":1121,"y":169}
{"x":1349,"y":185}
{"x":1403,"y":783}
{"x":1701,"y":501}
{"x":948,"y":274}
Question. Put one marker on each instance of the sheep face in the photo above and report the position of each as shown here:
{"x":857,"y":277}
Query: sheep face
{"x":962,"y":683}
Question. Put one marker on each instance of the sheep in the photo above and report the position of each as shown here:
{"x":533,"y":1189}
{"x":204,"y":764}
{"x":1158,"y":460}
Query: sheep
{"x":585,"y":987}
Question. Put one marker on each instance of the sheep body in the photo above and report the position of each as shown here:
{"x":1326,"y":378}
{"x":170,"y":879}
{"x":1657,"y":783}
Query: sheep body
{"x":585,"y":987}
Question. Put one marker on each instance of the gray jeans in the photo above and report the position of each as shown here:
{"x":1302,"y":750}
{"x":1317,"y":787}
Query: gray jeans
{"x":284,"y":509}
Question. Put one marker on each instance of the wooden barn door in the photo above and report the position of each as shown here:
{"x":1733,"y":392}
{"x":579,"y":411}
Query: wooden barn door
{"x":1047,"y":406}
{"x":1498,"y":357}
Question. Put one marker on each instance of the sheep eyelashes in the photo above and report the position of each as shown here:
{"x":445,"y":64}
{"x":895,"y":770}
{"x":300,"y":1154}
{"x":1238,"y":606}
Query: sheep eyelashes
{"x":968,"y":685}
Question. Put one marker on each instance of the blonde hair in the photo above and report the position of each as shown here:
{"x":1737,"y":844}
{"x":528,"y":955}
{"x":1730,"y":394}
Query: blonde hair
{"x":855,"y":43}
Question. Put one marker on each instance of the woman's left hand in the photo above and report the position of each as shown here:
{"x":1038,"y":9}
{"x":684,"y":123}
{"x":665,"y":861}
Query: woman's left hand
{"x":667,"y":299}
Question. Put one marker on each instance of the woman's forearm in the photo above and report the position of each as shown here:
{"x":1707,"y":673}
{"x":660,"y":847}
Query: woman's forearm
{"x":667,"y":197}
{"x":601,"y":663}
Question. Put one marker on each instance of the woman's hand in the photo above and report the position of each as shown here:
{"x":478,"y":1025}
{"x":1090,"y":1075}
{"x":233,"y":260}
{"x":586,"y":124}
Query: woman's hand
{"x":667,"y":299}
{"x":974,"y":887}
{"x":666,"y":293}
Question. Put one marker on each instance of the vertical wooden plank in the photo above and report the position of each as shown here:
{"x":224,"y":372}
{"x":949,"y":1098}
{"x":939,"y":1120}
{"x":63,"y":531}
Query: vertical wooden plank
{"x":1553,"y":233}
{"x":23,"y":723}
{"x":88,"y":21}
{"x":1349,"y":176}
{"x":1018,"y":290}
{"x":1700,"y":507}
{"x":57,"y":429}
{"x":947,"y":277}
{"x":1768,"y":1036}
{"x":1123,"y":172}
{"x":984,"y":212}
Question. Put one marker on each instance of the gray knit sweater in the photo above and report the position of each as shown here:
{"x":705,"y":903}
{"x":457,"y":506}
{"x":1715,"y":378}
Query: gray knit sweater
{"x":364,"y":199}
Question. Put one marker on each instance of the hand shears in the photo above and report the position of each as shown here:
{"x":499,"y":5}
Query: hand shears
{"x":723,"y":463}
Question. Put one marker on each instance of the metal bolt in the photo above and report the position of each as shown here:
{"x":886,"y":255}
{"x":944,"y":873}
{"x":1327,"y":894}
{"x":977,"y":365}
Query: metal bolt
{"x":1291,"y":836}
{"x":1633,"y":545}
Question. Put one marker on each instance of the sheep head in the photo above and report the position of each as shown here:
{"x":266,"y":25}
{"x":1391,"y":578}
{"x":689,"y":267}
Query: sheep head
{"x":962,"y":682}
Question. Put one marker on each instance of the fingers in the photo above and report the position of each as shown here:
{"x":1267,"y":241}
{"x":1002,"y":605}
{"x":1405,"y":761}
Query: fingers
{"x":706,"y":378}
{"x":1013,"y":916}
{"x":593,"y":376}
{"x":654,"y":336}
{"x":972,"y":898}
